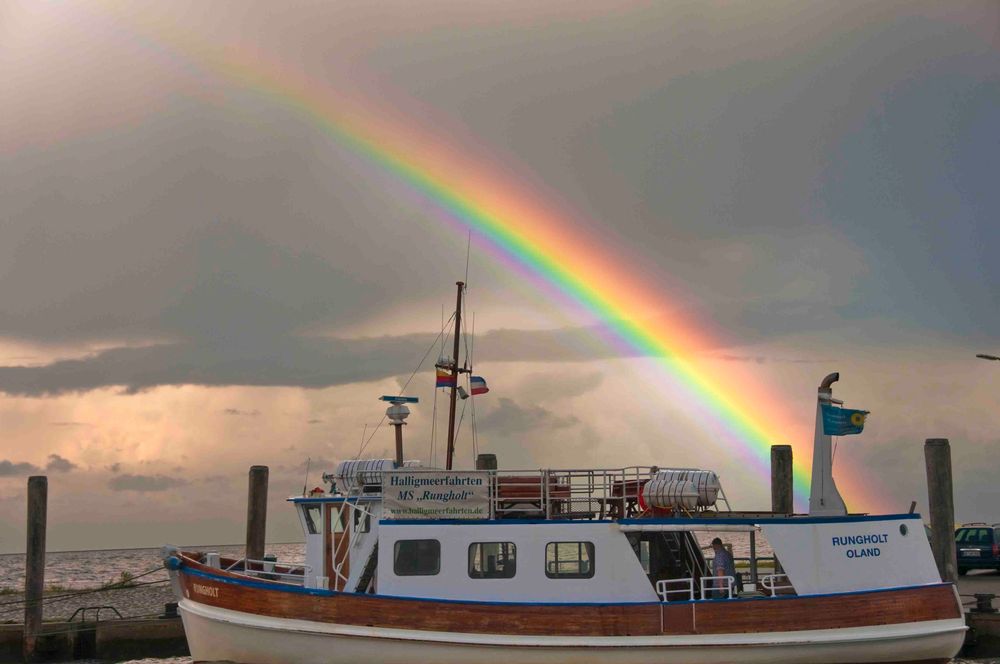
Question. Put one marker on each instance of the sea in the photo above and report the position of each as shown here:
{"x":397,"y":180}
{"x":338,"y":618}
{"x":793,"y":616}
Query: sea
{"x":89,"y":569}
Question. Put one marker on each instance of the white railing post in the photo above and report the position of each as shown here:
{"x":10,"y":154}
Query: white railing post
{"x":729,"y":585}
{"x":664,"y":592}
{"x":545,"y":494}
{"x":772,"y":584}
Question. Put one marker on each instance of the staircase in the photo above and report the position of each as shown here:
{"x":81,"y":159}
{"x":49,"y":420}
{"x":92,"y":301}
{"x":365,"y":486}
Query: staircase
{"x":369,"y":572}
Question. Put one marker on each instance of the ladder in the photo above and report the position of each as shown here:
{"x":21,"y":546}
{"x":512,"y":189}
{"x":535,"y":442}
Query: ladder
{"x":369,"y":571}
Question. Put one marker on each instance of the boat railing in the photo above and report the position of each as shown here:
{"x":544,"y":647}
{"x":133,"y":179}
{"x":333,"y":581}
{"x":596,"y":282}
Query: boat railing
{"x":776,"y":583}
{"x":686,"y":588}
{"x":571,"y":493}
{"x":556,"y":493}
{"x":271,"y":570}
{"x":709,"y":586}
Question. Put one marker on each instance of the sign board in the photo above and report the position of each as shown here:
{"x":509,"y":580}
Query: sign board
{"x":849,"y":555}
{"x":399,"y":399}
{"x":435,"y":495}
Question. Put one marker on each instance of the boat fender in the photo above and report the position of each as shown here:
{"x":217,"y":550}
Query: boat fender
{"x":173,"y":563}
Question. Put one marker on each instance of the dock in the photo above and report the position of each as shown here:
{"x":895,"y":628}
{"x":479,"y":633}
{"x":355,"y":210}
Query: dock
{"x":983,"y":639}
{"x":114,"y":640}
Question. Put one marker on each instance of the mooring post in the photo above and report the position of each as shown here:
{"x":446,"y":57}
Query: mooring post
{"x":941,"y":502}
{"x":34,"y":564}
{"x":781,"y":479}
{"x":782,"y":489}
{"x":256,"y":513}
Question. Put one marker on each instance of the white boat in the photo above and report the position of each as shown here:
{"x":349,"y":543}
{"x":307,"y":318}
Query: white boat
{"x":411,"y":564}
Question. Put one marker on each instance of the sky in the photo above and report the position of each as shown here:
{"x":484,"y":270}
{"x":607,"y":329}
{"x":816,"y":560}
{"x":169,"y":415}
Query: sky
{"x":220,"y":243}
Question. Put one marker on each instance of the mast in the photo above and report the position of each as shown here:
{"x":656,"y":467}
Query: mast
{"x":454,"y":375}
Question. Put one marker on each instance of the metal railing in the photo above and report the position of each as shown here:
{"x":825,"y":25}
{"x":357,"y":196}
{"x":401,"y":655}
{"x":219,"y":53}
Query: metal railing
{"x":585,"y":494}
{"x":268,"y":569}
{"x":776,"y":582}
{"x":709,"y":587}
{"x":82,"y":612}
{"x":687,"y":588}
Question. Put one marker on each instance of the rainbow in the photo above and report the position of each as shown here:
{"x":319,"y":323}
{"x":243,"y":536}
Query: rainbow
{"x":541,"y":242}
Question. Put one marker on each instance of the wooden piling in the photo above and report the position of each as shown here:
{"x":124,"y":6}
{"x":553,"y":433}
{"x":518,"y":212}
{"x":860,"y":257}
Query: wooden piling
{"x":257,"y":512}
{"x":941,"y":503}
{"x":34,"y":564}
{"x":781,"y":480}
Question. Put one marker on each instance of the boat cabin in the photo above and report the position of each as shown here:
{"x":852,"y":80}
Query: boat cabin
{"x":629,"y":535}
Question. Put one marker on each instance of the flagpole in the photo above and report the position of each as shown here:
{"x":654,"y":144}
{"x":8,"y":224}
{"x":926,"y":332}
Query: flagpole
{"x":454,"y":377}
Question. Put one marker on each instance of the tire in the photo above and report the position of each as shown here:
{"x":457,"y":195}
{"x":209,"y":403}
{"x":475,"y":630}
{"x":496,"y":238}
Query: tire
{"x":962,"y":571}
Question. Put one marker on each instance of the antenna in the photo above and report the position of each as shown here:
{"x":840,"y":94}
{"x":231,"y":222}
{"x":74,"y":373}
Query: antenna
{"x":305,"y":482}
{"x":468,"y":251}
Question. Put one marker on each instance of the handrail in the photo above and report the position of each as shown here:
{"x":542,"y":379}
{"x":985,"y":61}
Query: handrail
{"x":696,"y":558}
{"x":296,"y":571}
{"x":770,"y":583}
{"x":664,"y":592}
{"x":82,"y":611}
{"x":729,"y":585}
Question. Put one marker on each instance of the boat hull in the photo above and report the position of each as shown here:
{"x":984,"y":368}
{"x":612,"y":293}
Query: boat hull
{"x":232,"y":618}
{"x":222,"y":635}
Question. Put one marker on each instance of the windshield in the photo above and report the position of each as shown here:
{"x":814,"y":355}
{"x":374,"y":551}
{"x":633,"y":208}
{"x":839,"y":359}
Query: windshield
{"x":974,"y":536}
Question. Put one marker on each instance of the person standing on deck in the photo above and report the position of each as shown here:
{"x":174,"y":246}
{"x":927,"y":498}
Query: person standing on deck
{"x":722,"y":565}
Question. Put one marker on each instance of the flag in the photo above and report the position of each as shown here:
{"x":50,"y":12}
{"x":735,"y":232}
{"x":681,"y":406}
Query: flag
{"x":445,"y":379}
{"x":842,"y":421}
{"x":478,"y":385}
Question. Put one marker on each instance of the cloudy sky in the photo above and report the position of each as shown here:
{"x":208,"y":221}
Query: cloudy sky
{"x":198,"y":275}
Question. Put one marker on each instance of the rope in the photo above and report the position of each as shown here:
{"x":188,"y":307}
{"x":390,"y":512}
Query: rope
{"x":470,"y":351}
{"x":121,"y":585}
{"x":402,"y":389}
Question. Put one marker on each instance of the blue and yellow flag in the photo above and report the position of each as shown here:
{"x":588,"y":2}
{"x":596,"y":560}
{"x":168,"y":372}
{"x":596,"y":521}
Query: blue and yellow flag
{"x":842,"y":421}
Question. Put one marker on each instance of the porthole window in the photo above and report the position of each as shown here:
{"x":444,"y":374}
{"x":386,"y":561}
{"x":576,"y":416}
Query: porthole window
{"x":903,"y":529}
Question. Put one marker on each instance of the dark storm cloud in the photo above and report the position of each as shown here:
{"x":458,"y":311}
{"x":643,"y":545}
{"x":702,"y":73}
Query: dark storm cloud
{"x":769,"y":165}
{"x":144,"y":483}
{"x":291,"y":361}
{"x":825,"y":164}
{"x":58,"y":464}
{"x":13,"y":469}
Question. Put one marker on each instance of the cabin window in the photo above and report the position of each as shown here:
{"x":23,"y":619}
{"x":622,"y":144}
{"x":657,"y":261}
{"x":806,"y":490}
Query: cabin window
{"x":644,"y":555}
{"x":314,"y":518}
{"x":569,"y":560}
{"x":492,"y":560}
{"x":336,"y":519}
{"x":417,"y":557}
{"x":362,"y":520}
